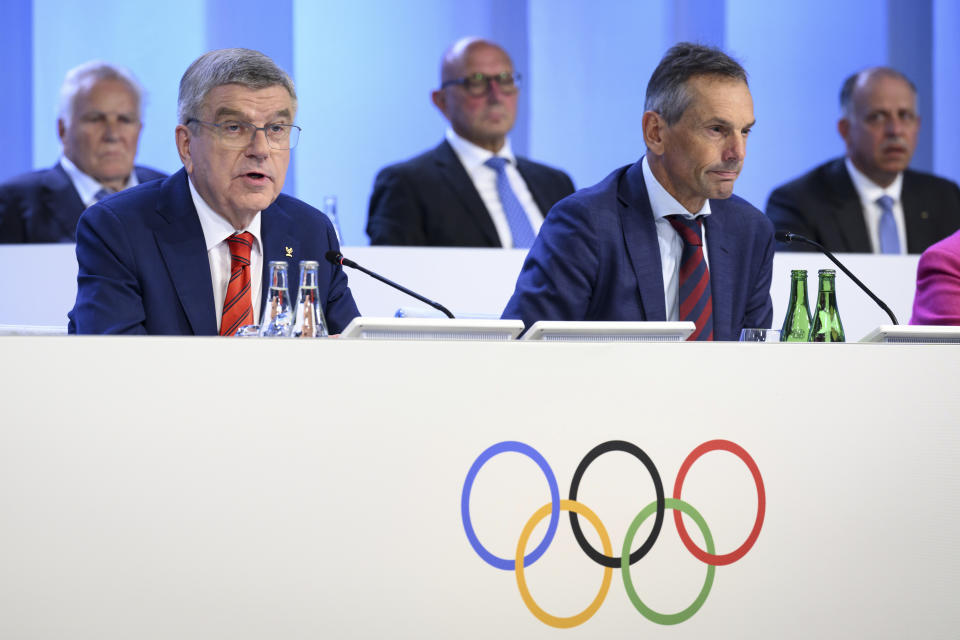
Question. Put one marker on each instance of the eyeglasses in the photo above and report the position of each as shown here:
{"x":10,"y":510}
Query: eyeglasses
{"x":478,"y":84}
{"x":237,"y":134}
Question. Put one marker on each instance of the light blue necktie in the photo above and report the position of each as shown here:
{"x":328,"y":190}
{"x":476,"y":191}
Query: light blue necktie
{"x":889,"y":240}
{"x":520,"y":227}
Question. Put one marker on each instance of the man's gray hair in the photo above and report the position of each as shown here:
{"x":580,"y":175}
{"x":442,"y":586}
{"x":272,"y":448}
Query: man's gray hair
{"x":846,"y":90}
{"x":245,"y":67}
{"x":667,"y":92}
{"x":83,"y":77}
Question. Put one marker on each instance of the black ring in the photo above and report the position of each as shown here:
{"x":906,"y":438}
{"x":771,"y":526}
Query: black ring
{"x":637,"y":452}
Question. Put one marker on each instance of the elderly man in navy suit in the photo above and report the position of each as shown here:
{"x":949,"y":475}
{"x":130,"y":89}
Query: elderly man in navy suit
{"x":189,"y":255}
{"x":471,"y":190}
{"x":664,"y":238}
{"x":99,"y":127}
{"x":870,"y":201}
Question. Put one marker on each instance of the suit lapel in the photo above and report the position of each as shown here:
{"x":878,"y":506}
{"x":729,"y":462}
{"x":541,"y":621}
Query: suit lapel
{"x":280,"y":242}
{"x":62,"y":201}
{"x":453,"y":173}
{"x":184,"y":252}
{"x":536,"y":189}
{"x":640,"y":238}
{"x":915,"y":216}
{"x":721,"y":238}
{"x":849,"y":218}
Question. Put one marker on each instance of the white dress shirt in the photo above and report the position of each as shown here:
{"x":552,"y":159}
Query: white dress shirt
{"x":671,"y":244}
{"x":484,"y":179}
{"x":216,"y":230}
{"x":86,"y":186}
{"x":869,"y":193}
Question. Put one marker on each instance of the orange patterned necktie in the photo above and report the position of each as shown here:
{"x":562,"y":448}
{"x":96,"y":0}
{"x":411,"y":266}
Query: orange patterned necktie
{"x":238,"y":305}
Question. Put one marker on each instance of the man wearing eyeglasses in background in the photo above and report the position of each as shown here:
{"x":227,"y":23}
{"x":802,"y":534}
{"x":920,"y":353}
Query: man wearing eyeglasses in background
{"x":99,"y":125}
{"x":470,"y":190}
{"x":188,"y":255}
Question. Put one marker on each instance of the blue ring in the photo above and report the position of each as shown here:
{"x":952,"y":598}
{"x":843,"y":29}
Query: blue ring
{"x":533,"y":454}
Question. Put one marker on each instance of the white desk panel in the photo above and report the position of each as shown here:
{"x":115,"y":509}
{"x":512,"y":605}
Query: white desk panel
{"x":134,"y":503}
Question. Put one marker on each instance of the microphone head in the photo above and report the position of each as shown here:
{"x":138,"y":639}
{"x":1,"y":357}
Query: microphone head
{"x":333,"y":256}
{"x":783,"y":236}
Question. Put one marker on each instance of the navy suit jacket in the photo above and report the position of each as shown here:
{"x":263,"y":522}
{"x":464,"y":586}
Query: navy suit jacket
{"x":824,"y":206}
{"x":44,"y":206}
{"x":430,"y":200}
{"x":143,"y":265}
{"x":597,"y":258}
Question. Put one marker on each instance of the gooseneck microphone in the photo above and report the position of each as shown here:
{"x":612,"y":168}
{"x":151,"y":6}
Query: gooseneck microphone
{"x":787,"y":237}
{"x":337,"y":258}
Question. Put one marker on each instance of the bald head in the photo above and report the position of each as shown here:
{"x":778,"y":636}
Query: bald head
{"x":454,"y":58}
{"x":478,"y":92}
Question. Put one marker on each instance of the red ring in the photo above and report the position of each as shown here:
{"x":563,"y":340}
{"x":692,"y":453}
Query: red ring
{"x":737,"y":450}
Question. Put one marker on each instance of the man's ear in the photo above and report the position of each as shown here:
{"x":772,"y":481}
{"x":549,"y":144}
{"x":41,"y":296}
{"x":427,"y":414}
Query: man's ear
{"x":843,"y":128}
{"x":654,"y":127}
{"x":439,"y":98}
{"x":61,"y":129}
{"x":183,"y":135}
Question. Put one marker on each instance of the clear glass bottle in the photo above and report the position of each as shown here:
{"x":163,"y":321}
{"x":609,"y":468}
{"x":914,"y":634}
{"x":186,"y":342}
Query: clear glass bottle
{"x":330,"y":209}
{"x":826,"y":319}
{"x":276,"y":321}
{"x":796,"y":324}
{"x":309,"y":322}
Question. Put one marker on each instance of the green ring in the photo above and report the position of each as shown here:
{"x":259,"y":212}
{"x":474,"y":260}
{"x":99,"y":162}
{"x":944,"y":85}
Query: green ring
{"x":647,"y":612}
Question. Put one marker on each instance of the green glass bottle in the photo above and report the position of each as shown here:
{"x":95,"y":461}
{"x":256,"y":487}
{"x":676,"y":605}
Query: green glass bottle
{"x":796,"y":324}
{"x":826,"y":319}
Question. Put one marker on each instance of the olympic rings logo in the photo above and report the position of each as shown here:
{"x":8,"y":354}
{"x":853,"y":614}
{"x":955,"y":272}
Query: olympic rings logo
{"x":606,"y":559}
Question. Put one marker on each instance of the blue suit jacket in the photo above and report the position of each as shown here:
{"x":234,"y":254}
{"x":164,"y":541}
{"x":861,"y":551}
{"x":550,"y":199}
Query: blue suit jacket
{"x":597,"y":258}
{"x":44,"y":206}
{"x":143,"y":265}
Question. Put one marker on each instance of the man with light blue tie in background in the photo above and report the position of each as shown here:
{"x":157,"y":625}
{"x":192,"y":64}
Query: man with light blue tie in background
{"x":870,"y":201}
{"x":470,"y":190}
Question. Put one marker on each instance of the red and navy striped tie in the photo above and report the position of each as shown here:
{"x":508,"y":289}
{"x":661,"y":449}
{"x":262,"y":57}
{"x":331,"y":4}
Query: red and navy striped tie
{"x":696,"y":303}
{"x":238,"y":305}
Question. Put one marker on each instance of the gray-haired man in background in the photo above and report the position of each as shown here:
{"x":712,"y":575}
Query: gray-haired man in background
{"x":99,"y":124}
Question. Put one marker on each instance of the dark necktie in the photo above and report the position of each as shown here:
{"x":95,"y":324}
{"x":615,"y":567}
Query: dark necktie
{"x":696,"y":303}
{"x":101,"y":194}
{"x":520,"y":227}
{"x":238,"y":305}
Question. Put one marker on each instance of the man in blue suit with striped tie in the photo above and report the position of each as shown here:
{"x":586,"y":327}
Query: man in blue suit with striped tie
{"x":664,"y":238}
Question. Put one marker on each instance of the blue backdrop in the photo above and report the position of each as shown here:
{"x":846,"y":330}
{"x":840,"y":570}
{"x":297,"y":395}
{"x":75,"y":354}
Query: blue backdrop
{"x":364,"y":70}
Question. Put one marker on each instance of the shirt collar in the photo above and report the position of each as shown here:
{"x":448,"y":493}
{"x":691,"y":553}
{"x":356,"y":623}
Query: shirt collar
{"x":87,"y":187}
{"x":471,"y":156}
{"x":216,"y":228}
{"x":870,"y":191}
{"x":662,"y":203}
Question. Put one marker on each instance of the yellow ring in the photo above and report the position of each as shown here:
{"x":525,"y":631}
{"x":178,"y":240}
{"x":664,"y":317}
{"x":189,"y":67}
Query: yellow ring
{"x":543,"y":616}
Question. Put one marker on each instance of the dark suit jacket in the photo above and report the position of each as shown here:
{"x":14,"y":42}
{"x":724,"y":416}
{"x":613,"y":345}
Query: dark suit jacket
{"x":430,"y":200}
{"x":823,"y":205}
{"x":44,"y":206}
{"x":597,"y":258}
{"x":143,"y":265}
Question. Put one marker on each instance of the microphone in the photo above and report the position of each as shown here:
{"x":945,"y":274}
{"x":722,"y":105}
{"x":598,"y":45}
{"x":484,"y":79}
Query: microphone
{"x":336,"y":257}
{"x":787,"y":237}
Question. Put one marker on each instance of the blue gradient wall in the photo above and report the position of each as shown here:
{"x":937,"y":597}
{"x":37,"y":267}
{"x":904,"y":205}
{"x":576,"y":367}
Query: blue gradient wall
{"x":364,"y":71}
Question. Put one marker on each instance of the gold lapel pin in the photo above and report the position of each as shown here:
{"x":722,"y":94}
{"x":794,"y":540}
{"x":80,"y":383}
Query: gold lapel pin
{"x":289,"y":251}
